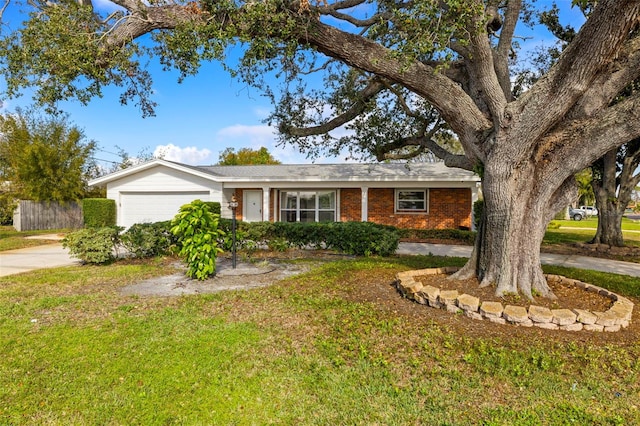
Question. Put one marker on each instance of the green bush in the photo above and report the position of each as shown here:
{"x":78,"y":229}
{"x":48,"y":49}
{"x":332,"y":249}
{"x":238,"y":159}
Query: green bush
{"x":196,"y":229}
{"x":362,"y":238}
{"x":8,"y":204}
{"x":359,"y":238}
{"x":214,"y":206}
{"x":98,"y":212}
{"x":467,"y":237}
{"x":478,"y":208}
{"x":93,"y":245}
{"x":149,"y":239}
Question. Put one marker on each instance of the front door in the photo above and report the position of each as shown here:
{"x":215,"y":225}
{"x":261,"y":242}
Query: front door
{"x":252,"y":203}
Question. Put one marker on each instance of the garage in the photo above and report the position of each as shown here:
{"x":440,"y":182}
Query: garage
{"x":147,"y":207}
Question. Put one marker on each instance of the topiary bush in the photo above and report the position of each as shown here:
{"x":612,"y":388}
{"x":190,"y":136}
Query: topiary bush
{"x":93,"y":245}
{"x":196,"y":229}
{"x":149,"y":239}
{"x":98,"y":212}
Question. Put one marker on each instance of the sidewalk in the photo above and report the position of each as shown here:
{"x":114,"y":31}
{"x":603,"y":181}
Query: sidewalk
{"x":571,"y":261}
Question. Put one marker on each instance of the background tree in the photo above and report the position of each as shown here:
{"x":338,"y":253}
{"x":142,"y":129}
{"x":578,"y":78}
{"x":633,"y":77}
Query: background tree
{"x":229,"y":157}
{"x":615,"y":177}
{"x":456,"y":55}
{"x":612,"y":177}
{"x":44,"y":158}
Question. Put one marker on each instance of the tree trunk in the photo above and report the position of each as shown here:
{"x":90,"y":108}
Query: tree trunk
{"x":609,"y":223}
{"x":614,"y":182}
{"x":517,"y":211}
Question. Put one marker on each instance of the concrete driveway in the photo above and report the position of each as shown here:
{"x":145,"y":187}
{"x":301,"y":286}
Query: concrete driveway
{"x":39,"y":257}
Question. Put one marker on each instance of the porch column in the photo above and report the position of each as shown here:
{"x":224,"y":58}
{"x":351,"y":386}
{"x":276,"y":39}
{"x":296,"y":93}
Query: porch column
{"x":364,"y":204}
{"x":265,"y":203}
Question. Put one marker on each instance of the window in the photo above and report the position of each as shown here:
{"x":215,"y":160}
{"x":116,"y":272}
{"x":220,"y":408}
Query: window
{"x":308,"y":206}
{"x":411,"y":200}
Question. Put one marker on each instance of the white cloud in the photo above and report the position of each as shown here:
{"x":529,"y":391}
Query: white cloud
{"x":242,"y":136}
{"x":188,"y":155}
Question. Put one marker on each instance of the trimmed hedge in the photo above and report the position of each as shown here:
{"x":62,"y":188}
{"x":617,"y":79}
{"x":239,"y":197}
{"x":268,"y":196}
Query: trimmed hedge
{"x":357,"y":238}
{"x":98,"y":212}
{"x":439,"y":234}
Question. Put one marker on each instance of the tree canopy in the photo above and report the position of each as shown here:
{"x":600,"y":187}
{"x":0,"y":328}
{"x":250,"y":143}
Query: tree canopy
{"x":229,"y":157}
{"x":432,"y":67}
{"x":44,"y":158}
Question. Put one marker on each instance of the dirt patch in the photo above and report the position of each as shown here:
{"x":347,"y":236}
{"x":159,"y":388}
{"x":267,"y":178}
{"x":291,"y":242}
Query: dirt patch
{"x":244,"y":276}
{"x":379,"y":289}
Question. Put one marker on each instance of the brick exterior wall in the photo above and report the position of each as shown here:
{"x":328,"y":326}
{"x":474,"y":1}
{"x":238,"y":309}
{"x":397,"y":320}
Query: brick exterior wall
{"x":350,"y":205}
{"x":449,"y":208}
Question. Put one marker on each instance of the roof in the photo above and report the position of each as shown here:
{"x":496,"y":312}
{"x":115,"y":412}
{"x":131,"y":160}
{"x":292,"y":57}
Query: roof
{"x":342,"y":172}
{"x":355,"y":172}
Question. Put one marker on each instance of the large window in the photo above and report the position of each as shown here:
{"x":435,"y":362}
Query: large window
{"x":308,"y":206}
{"x":411,"y":200}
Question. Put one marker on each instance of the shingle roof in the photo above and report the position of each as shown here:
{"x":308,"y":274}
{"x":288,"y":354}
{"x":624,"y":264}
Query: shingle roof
{"x":341,"y":172}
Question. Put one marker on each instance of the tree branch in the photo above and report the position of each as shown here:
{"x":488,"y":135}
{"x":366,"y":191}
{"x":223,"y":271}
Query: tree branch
{"x":597,"y":43}
{"x":579,"y":143}
{"x":610,"y":82}
{"x":453,"y":103}
{"x":503,"y":50}
{"x":374,"y":87}
{"x":481,"y":65}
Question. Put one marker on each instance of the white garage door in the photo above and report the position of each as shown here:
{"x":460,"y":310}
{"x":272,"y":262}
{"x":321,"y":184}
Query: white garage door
{"x":147,"y":207}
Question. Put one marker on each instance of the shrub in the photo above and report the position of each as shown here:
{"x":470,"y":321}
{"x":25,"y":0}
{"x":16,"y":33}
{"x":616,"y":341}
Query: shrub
{"x":196,"y":229}
{"x":98,"y":212}
{"x":478,"y":208}
{"x":214,"y":206}
{"x":8,"y":204}
{"x":93,"y":245}
{"x":359,"y":238}
{"x":149,"y":239}
{"x":467,"y":237}
{"x":363,"y":238}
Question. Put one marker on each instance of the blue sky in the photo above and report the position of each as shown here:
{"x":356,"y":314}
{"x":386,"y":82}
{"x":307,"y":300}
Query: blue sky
{"x":195,"y":120}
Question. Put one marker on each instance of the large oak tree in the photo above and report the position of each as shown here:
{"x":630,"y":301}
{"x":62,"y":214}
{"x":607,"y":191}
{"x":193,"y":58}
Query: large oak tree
{"x":450,"y":55}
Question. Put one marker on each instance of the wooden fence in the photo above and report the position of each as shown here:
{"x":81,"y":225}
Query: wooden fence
{"x":32,"y":215}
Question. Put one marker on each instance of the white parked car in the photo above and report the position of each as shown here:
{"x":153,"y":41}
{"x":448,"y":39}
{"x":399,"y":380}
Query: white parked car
{"x":591,"y":210}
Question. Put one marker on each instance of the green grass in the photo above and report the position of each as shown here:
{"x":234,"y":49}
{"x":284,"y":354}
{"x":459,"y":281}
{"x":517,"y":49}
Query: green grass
{"x":570,"y":236}
{"x":10,"y":239}
{"x":305,"y":351}
{"x":592,"y":222}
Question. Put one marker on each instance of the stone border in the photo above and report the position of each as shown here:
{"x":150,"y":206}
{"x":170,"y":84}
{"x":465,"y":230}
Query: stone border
{"x":614,"y":319}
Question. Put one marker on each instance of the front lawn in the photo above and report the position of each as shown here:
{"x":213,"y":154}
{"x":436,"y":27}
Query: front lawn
{"x":10,"y":239}
{"x":334,"y":346}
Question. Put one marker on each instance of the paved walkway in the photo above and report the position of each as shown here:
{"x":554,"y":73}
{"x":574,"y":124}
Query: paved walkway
{"x":572,"y":261}
{"x":53,"y":255}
